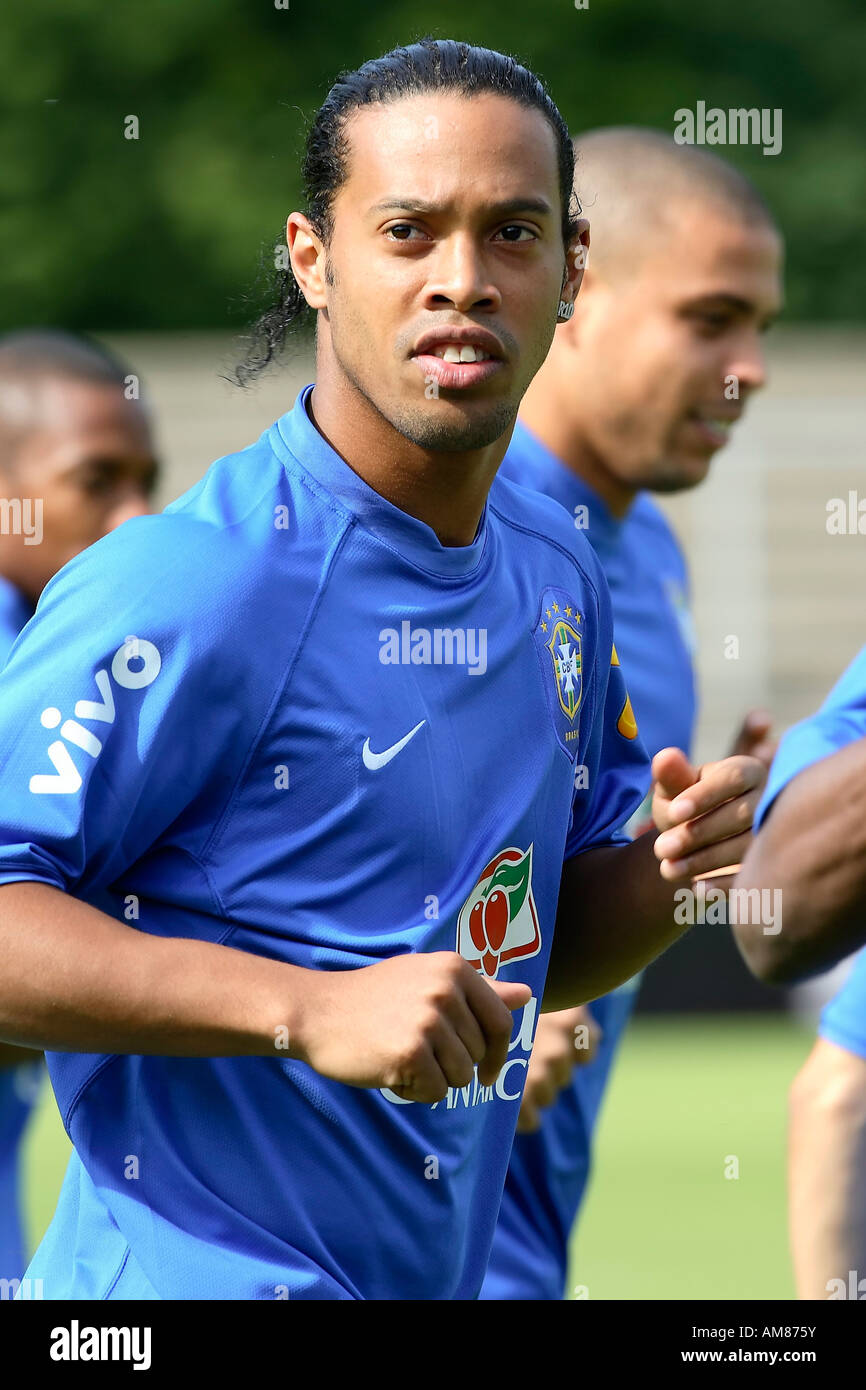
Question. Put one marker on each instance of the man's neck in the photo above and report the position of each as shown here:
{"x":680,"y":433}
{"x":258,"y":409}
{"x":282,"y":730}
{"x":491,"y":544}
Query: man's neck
{"x":445,"y":490}
{"x":549,"y":423}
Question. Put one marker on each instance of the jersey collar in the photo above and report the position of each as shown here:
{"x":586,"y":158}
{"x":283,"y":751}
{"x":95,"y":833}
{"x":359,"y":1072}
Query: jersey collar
{"x":410,"y":537}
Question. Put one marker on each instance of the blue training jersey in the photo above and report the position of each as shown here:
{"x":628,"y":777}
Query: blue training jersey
{"x":193,"y":739}
{"x":648,"y":581}
{"x":840,"y":720}
{"x":17,"y":1084}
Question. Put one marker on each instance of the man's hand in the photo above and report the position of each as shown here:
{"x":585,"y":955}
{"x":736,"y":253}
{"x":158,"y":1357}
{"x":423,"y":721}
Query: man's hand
{"x":705,"y":814}
{"x":754,"y":737}
{"x":563,"y":1041}
{"x":415,"y":1024}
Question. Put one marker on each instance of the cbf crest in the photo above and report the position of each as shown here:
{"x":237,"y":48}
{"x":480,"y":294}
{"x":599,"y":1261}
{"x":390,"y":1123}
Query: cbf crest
{"x":564,"y":647}
{"x":559,"y":640}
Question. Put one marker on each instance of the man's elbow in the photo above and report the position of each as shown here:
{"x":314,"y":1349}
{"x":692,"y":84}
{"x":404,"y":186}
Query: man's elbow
{"x":778,"y":948}
{"x":812,"y":935}
{"x":780,"y":915}
{"x":770,"y":960}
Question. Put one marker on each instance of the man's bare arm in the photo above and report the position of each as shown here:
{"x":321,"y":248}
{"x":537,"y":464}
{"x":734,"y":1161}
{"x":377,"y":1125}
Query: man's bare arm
{"x":554,"y":1054}
{"x":812,"y":847}
{"x":75,"y":980}
{"x":72,"y":979}
{"x":826,"y":1161}
{"x":616,"y":903}
{"x":616,"y":914}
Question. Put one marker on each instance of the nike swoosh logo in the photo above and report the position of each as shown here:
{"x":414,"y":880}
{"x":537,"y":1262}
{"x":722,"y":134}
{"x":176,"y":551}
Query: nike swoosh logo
{"x":376,"y":760}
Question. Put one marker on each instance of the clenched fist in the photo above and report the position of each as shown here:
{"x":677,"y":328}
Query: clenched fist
{"x":415,"y":1024}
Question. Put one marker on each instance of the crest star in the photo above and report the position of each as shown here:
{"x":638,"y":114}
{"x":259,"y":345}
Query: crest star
{"x":568,"y":612}
{"x":544,"y":627}
{"x":556,"y":608}
{"x":548,"y":612}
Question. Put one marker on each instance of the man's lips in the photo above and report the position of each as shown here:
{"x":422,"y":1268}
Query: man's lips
{"x":436,"y":340}
{"x":713,"y":426}
{"x":458,"y":357}
{"x":454,"y":375}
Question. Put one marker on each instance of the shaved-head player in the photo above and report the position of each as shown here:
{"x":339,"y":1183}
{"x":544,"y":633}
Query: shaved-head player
{"x":638,"y":393}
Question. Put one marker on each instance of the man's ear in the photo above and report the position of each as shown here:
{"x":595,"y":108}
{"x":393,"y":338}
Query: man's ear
{"x":308,"y":258}
{"x":576,"y":258}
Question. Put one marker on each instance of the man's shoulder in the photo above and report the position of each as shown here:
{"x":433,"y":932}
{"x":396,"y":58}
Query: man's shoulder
{"x":547,"y":523}
{"x":230,"y":539}
{"x":174,"y":558}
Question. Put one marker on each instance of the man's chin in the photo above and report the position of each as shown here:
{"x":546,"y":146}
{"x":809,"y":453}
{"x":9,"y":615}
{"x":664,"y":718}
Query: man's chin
{"x":680,"y":473}
{"x":444,"y":425}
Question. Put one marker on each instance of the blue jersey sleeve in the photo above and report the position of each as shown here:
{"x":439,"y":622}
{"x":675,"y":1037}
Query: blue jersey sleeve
{"x":612,"y":783}
{"x":125,"y":706}
{"x":840,"y":720}
{"x":843,"y":1021}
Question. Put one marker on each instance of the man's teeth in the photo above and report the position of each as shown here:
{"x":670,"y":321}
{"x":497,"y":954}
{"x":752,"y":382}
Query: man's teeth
{"x":723,"y":425}
{"x":466,"y":353}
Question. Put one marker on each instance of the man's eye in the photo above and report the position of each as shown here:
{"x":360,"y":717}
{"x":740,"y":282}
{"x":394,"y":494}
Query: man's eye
{"x":526,"y":231}
{"x":714,"y":323}
{"x":98,"y":484}
{"x":402,"y":227}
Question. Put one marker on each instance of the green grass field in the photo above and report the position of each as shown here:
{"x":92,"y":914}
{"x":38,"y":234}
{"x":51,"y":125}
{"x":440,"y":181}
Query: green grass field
{"x":661,"y":1221}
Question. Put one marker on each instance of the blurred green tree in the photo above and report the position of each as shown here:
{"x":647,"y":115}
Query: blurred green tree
{"x":166,"y":230}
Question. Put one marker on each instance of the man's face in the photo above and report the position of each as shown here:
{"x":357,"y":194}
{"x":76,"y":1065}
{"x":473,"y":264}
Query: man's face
{"x":87,"y":452}
{"x":672,"y":351}
{"x":450,"y":219}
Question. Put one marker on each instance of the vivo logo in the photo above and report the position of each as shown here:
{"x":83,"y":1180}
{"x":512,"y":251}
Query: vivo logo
{"x":134,"y":665}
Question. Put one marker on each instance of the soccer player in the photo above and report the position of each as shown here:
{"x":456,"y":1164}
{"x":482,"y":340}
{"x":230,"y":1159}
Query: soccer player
{"x":811,"y":851}
{"x":684,"y":276}
{"x":290,"y":807}
{"x":76,"y":459}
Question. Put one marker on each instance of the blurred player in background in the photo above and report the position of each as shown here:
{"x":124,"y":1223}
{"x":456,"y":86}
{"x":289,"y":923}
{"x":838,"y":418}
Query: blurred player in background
{"x":76,"y":459}
{"x":812,"y":851}
{"x":639,"y":391}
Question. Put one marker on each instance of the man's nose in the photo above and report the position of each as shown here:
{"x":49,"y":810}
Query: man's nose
{"x":462,"y":277}
{"x":748,"y":364}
